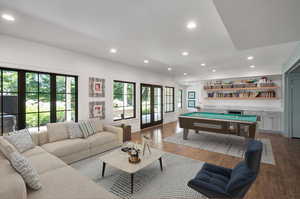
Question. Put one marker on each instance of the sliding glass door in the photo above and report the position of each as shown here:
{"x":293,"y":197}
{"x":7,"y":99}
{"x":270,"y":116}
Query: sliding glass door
{"x":151,"y":105}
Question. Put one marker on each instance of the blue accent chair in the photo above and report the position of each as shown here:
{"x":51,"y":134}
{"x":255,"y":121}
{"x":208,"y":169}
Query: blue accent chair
{"x":218,"y":182}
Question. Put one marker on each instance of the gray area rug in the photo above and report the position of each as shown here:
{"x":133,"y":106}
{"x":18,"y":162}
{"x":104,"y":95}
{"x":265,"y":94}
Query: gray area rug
{"x":221,"y":143}
{"x":150,"y":182}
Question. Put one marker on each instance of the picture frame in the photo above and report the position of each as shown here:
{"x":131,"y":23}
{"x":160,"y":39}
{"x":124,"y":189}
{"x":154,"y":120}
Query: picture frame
{"x":191,"y":103}
{"x":96,"y":87}
{"x":97,"y":110}
{"x":191,"y":95}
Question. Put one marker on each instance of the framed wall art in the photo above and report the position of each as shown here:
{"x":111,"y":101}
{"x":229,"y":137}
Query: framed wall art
{"x":96,"y":87}
{"x":191,"y":95}
{"x":191,"y":103}
{"x":97,"y":110}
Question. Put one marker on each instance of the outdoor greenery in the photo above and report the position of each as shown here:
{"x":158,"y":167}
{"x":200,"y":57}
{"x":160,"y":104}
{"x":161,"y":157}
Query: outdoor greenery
{"x":123,"y":102}
{"x":38,"y":93}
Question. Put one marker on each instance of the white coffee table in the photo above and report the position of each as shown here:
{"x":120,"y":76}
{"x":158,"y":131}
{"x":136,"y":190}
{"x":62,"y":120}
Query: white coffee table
{"x":119,"y":159}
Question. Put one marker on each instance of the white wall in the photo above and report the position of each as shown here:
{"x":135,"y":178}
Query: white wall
{"x":22,"y":54}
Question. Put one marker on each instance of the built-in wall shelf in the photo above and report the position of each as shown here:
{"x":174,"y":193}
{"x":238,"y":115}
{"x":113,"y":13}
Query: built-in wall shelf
{"x":240,"y":89}
{"x":242,"y":98}
{"x":257,"y":88}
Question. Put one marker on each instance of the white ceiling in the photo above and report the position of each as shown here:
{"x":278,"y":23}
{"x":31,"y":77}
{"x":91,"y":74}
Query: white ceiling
{"x":153,"y":30}
{"x":257,"y":23}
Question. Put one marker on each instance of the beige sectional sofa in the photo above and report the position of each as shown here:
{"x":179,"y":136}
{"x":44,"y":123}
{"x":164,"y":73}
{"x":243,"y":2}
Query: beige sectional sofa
{"x":51,"y":159}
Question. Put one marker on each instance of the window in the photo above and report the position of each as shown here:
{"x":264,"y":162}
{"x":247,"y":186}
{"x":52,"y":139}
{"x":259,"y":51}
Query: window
{"x":65,"y":98}
{"x":169,"y":99}
{"x":180,"y":95}
{"x":9,"y":100}
{"x":30,"y":99}
{"x":37,"y":96}
{"x":123,"y":100}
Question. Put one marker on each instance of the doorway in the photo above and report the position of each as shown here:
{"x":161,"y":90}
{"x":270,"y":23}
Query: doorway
{"x":292,"y":101}
{"x":151,"y":105}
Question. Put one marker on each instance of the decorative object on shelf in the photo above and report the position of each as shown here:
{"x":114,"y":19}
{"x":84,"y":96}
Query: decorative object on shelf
{"x":146,"y":144}
{"x":250,"y":89}
{"x":191,"y":95}
{"x":96,"y":87}
{"x":134,"y":155}
{"x":97,"y":110}
{"x":191,"y":103}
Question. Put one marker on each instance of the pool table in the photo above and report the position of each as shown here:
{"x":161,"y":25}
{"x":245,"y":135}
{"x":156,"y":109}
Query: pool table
{"x":218,"y":123}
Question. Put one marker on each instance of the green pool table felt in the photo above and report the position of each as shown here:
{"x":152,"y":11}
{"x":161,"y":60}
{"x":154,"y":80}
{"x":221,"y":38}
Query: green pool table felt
{"x":246,"y":118}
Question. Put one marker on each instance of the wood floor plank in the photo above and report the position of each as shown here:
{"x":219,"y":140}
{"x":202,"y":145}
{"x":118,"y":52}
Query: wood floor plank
{"x":280,"y":181}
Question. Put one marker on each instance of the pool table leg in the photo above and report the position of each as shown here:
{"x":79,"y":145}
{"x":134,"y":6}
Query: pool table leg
{"x":185,"y":133}
{"x":252,"y":131}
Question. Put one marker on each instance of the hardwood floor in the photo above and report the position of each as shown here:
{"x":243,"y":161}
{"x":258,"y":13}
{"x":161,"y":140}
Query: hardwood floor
{"x":281,"y":181}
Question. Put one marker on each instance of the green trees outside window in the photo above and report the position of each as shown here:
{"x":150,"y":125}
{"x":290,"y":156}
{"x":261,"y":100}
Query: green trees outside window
{"x":123,"y":100}
{"x":37,"y":95}
{"x":31,"y":99}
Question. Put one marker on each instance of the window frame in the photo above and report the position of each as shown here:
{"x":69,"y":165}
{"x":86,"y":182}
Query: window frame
{"x":167,"y":97}
{"x":134,"y":99}
{"x":65,"y":94}
{"x":180,"y":99}
{"x":21,"y":120}
{"x":38,"y":98}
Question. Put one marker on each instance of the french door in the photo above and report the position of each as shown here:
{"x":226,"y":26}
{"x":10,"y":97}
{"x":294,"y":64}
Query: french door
{"x":151,"y":105}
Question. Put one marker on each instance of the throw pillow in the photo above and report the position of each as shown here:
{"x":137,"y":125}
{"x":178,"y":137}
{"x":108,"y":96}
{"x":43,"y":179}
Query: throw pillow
{"x":24,"y":168}
{"x":57,"y":131}
{"x":97,"y":124}
{"x":21,"y":140}
{"x":74,"y":130}
{"x":87,"y":128}
{"x":6,"y":148}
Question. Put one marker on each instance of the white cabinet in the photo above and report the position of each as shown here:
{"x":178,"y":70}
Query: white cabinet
{"x":268,"y":120}
{"x":271,"y":121}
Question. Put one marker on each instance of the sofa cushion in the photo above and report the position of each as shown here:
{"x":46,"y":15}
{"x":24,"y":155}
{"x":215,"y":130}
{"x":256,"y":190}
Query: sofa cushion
{"x":6,"y":147}
{"x":101,"y":139}
{"x":98,"y":125}
{"x":57,"y":131}
{"x":67,"y":183}
{"x":24,"y":167}
{"x":66,"y":147}
{"x":74,"y":130}
{"x":12,"y":184}
{"x":44,"y":162}
{"x":35,"y":151}
{"x":21,"y":140}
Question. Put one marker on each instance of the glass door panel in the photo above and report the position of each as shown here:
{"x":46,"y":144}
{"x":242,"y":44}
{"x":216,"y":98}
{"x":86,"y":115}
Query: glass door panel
{"x":151,"y":105}
{"x":146,"y":105}
{"x":157,"y":104}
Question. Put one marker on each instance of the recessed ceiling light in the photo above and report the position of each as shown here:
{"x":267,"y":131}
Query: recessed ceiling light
{"x":184,"y":74}
{"x":252,"y":66}
{"x":113,"y":50}
{"x":203,"y":64}
{"x":185,"y":53}
{"x":250,"y":58}
{"x":214,"y":70}
{"x":8,"y":17}
{"x":191,"y":25}
{"x":146,"y":61}
{"x":169,"y":69}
